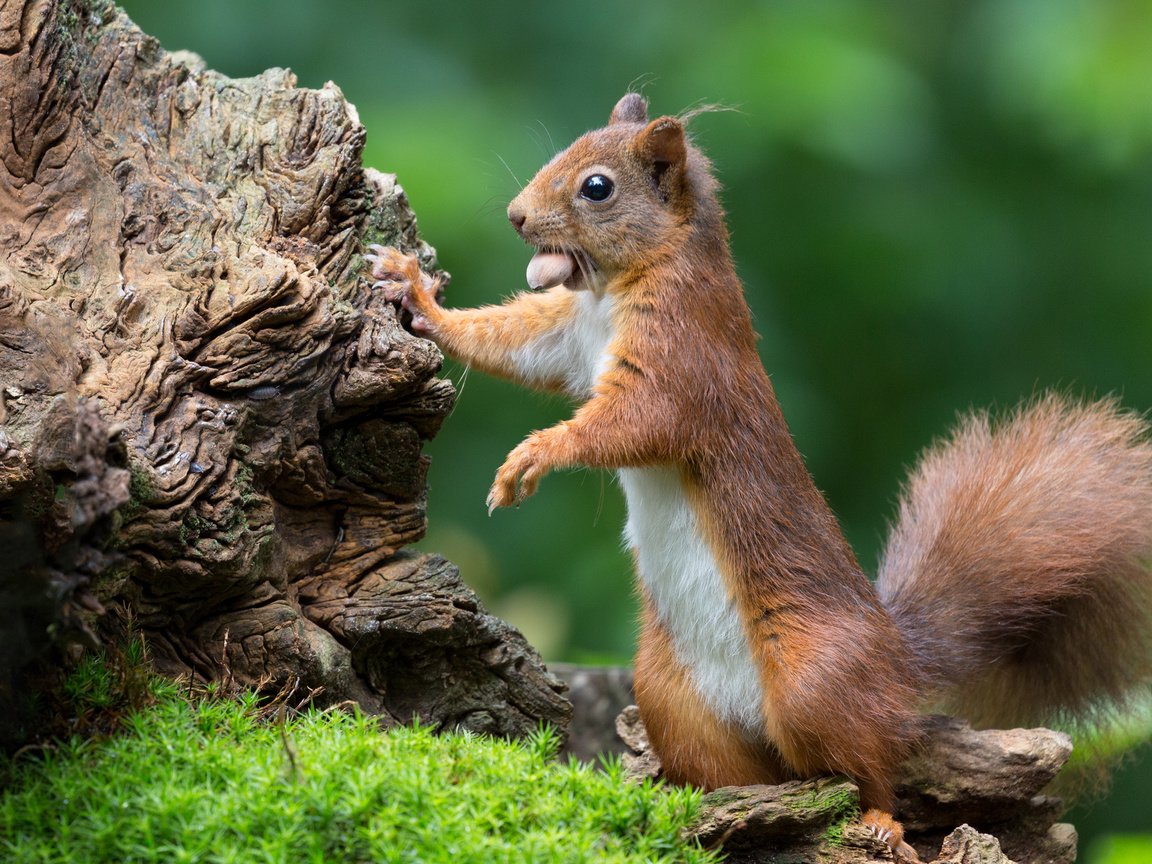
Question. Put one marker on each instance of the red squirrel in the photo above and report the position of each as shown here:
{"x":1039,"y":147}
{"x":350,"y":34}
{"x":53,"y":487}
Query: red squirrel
{"x":1013,"y":588}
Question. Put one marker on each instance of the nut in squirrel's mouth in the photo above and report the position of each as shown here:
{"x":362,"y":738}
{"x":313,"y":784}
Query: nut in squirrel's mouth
{"x":554,"y":265}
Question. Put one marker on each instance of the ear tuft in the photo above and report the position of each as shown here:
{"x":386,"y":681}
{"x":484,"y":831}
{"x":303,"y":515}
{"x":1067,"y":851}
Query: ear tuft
{"x":632,"y":108}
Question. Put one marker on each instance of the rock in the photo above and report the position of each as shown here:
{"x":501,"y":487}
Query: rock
{"x":966,"y":845}
{"x":640,"y":762}
{"x":598,"y":694}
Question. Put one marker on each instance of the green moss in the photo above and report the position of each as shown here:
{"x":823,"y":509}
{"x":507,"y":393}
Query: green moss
{"x":834,"y":834}
{"x":233,"y":520}
{"x":381,"y":226}
{"x":214,"y":780}
{"x":140,"y":492}
{"x":111,"y":581}
{"x":67,"y":29}
{"x":838,"y":801}
{"x":725,"y":795}
{"x":115,"y":680}
{"x":191,"y":527}
{"x":243,"y":483}
{"x":69,"y":17}
{"x":831,"y":796}
{"x":100,"y":12}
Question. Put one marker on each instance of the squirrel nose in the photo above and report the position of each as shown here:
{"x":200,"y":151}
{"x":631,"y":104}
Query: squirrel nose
{"x":517,"y":217}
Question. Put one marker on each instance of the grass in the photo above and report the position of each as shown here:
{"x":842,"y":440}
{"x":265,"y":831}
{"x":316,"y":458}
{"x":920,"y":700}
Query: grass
{"x":214,"y":779}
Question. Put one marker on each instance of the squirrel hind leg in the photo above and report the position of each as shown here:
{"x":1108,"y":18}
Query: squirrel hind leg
{"x":883,"y":827}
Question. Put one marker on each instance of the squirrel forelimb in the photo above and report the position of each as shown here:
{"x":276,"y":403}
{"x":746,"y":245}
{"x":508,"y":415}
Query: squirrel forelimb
{"x":523,"y":469}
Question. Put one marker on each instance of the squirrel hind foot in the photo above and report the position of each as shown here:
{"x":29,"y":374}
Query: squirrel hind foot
{"x":884,"y":828}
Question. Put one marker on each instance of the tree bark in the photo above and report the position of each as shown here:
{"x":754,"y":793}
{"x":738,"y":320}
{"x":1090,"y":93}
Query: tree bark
{"x":210,"y":425}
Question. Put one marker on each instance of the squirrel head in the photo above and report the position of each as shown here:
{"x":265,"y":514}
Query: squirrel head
{"x":617,"y":199}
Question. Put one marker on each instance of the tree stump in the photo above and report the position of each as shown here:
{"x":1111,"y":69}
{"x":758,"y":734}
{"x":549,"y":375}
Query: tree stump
{"x":210,"y":425}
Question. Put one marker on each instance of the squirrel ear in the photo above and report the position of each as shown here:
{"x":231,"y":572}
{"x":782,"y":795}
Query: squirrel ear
{"x":632,"y":108}
{"x":662,"y":142}
{"x":662,"y":146}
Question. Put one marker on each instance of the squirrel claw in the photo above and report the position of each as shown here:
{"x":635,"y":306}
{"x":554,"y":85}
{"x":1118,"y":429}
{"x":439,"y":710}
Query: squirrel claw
{"x":519,"y":476}
{"x":392,"y":291}
{"x":392,"y":265}
{"x":398,"y":277}
{"x":377,"y":254}
{"x":884,"y":828}
{"x":495,"y":500}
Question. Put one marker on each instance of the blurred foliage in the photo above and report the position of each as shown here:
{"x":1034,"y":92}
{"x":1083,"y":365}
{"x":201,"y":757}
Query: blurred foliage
{"x":934,"y":206}
{"x":1122,"y":849}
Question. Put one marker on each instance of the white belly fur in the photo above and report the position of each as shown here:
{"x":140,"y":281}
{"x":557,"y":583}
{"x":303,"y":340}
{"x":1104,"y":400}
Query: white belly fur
{"x":576,"y":351}
{"x":684,"y":583}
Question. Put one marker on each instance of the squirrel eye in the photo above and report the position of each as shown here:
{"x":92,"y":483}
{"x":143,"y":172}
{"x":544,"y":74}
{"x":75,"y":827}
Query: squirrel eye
{"x":597,"y":188}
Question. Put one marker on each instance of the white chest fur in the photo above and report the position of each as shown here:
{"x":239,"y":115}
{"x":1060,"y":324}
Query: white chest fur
{"x":576,"y":352}
{"x":684,"y":583}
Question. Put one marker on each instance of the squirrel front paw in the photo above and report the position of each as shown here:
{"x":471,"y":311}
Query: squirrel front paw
{"x":520,"y":474}
{"x":400,"y":277}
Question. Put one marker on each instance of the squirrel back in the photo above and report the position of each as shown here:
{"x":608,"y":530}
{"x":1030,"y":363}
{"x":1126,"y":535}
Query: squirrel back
{"x":1017,"y":568}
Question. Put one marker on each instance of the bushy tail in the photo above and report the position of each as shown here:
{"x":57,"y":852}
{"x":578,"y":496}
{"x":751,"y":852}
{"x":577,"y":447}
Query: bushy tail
{"x":1019,"y":565}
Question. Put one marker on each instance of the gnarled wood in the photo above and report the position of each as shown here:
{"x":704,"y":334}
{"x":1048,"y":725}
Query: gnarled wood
{"x":209,"y":422}
{"x":959,"y":778}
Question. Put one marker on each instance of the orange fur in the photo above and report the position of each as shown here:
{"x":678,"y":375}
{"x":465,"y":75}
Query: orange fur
{"x":1048,"y":513}
{"x":483,"y":337}
{"x":694,"y":745}
{"x":1013,"y":547}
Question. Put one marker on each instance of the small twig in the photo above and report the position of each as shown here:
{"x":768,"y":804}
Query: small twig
{"x":281,"y":699}
{"x":308,"y":697}
{"x":340,"y":706}
{"x":738,"y":825}
{"x":30,"y":748}
{"x":289,"y":747}
{"x":335,"y":545}
{"x":229,"y":679}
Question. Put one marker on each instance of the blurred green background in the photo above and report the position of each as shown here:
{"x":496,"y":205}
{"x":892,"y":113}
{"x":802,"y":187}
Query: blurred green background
{"x":934,"y":206}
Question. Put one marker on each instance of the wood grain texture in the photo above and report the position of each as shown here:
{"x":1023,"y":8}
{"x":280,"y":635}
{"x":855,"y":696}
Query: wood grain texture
{"x":209,"y":422}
